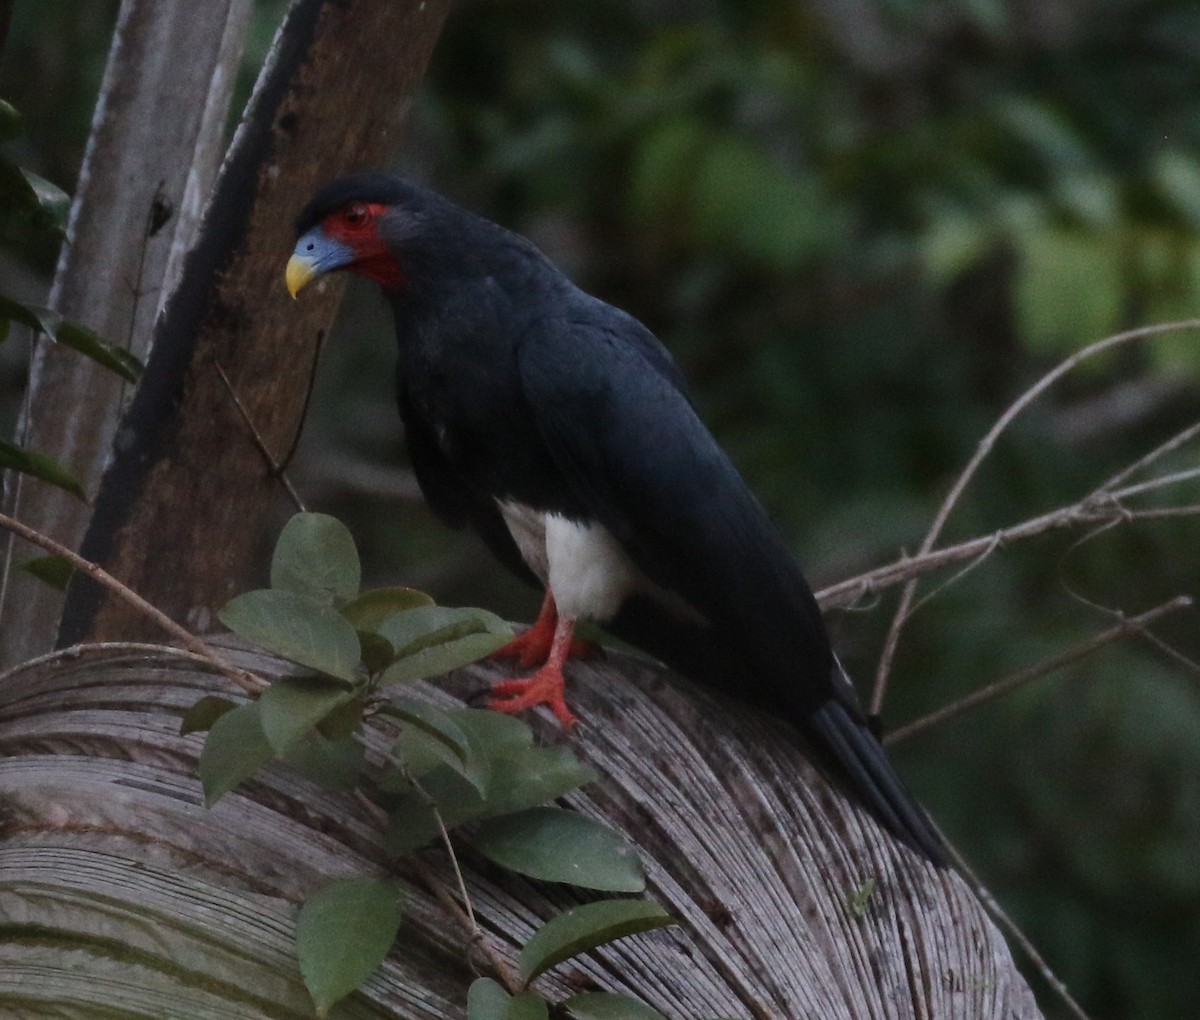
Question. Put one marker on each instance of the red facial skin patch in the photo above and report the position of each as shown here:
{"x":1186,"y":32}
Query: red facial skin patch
{"x":357,"y":226}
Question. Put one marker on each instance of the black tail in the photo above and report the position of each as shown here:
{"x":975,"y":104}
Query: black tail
{"x":863,"y":762}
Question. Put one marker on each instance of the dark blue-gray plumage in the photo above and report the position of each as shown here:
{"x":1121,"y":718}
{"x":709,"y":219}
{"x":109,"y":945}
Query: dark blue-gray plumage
{"x":560,"y":429}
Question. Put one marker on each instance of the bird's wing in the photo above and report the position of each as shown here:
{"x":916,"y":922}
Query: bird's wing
{"x":633,"y":452}
{"x":455,"y":502}
{"x":610,"y":406}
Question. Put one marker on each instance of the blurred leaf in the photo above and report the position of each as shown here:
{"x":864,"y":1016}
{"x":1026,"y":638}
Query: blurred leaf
{"x":204,"y":713}
{"x":1177,"y":177}
{"x":25,"y":194}
{"x":37,"y":465}
{"x":56,"y":571}
{"x":584,"y":928}
{"x":290,"y":708}
{"x":53,"y":202}
{"x":441,"y":659}
{"x":235,"y":749}
{"x":315,"y":556}
{"x":1068,"y":289}
{"x":343,"y":933}
{"x":11,"y":123}
{"x":609,"y":1006}
{"x":422,"y":752}
{"x":298,"y":627}
{"x":372,"y":607}
{"x":554,"y":845}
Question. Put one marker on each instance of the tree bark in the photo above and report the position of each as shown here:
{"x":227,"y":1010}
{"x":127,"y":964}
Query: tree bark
{"x":183,"y":508}
{"x":155,"y":146}
{"x":117,"y":886}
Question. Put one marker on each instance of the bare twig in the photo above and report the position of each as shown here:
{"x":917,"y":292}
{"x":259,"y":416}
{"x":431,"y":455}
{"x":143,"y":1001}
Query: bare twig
{"x":990,"y":904}
{"x":245,"y":680}
{"x":968,"y":473}
{"x":1170,"y":446}
{"x":463,"y":913}
{"x":276,"y":468}
{"x":1135,"y":625}
{"x":1095,"y":508}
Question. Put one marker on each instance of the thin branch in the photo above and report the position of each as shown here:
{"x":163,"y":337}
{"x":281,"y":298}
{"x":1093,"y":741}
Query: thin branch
{"x":1160,"y":451}
{"x":1095,"y":508}
{"x":462,"y":913}
{"x":1135,"y":625}
{"x":992,"y":906}
{"x":245,"y":680}
{"x":276,"y":468}
{"x":968,"y":473}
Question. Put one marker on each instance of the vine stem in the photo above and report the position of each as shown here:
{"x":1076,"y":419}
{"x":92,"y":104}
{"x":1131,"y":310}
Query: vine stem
{"x":247,"y":681}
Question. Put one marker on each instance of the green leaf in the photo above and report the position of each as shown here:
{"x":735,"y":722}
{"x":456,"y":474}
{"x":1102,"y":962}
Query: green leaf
{"x":487,"y":1000}
{"x":372,"y":607}
{"x":315,"y":556}
{"x":290,"y":708}
{"x":609,"y":1006}
{"x":85,"y":342}
{"x":432,"y":720}
{"x":586,"y":927}
{"x":71,"y":334}
{"x":11,"y":122}
{"x":204,"y":713}
{"x":13,"y":458}
{"x":343,"y":933}
{"x":493,"y":735}
{"x":415,"y":629}
{"x":532,"y":777}
{"x":56,"y":571}
{"x":441,"y":659}
{"x":377,"y":653}
{"x":53,"y":202}
{"x":422,"y":753}
{"x":235,"y":749}
{"x":412,"y":823}
{"x":555,"y":845}
{"x":298,"y":627}
{"x":333,"y":764}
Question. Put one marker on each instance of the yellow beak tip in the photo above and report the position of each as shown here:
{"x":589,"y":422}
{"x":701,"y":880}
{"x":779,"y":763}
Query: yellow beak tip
{"x":298,"y":275}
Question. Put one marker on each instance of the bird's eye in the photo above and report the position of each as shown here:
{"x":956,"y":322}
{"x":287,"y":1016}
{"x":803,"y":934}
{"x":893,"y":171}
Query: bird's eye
{"x":355,"y":215}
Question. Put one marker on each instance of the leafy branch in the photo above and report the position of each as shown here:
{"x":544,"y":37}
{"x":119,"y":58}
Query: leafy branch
{"x":475,"y":774}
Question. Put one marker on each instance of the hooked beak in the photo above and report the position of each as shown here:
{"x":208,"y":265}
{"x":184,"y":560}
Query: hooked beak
{"x":314,"y":255}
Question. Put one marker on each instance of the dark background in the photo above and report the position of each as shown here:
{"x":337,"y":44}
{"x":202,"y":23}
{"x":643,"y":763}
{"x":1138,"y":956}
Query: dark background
{"x":863,"y":227}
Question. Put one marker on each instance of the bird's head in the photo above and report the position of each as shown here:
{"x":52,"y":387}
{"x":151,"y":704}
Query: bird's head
{"x":357,"y":223}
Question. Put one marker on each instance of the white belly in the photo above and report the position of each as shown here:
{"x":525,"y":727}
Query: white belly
{"x":588,"y":571}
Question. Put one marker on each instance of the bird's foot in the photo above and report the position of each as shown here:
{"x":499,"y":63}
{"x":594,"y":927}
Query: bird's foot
{"x":532,"y":648}
{"x":545,"y":687}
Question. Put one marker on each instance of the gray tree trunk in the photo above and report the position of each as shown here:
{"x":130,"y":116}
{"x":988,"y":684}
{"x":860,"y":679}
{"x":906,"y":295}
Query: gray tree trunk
{"x":122,"y":896}
{"x":156,"y":143}
{"x":189,"y":495}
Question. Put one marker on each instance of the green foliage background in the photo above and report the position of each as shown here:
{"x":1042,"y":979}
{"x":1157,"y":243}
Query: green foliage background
{"x":863,"y":229}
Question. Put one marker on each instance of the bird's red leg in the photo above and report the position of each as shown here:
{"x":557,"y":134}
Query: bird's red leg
{"x":546,"y":686}
{"x":532,"y":648}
